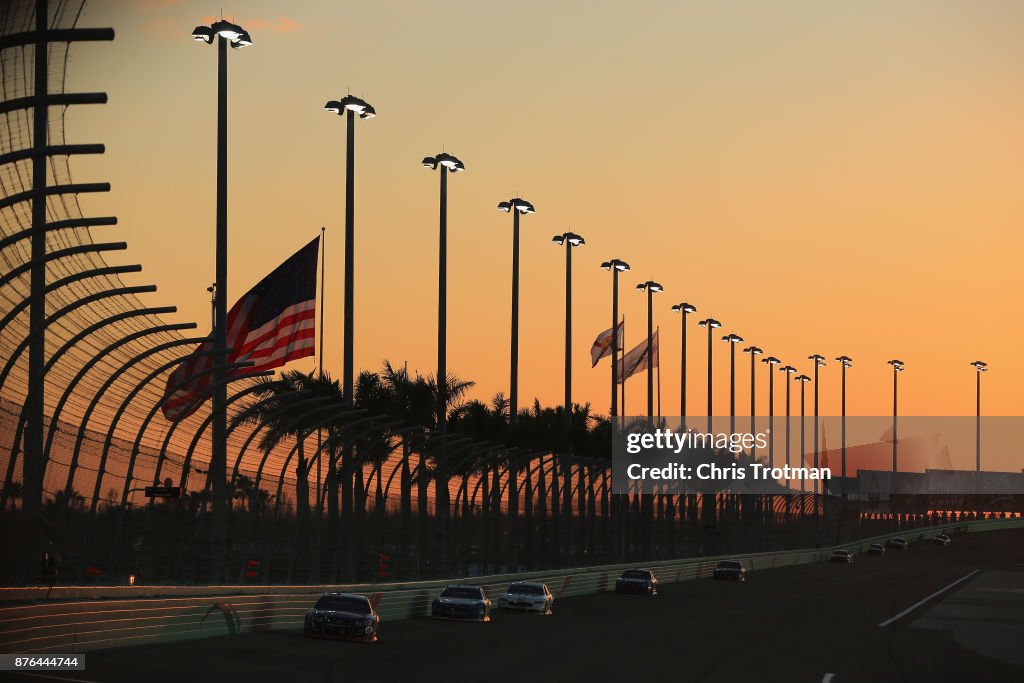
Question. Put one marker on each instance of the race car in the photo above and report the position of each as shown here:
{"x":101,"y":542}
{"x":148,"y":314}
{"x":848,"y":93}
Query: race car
{"x":527,"y":596}
{"x":841,"y":557}
{"x":462,"y":602}
{"x":729,"y":570}
{"x":637,"y":581}
{"x":343,"y":615}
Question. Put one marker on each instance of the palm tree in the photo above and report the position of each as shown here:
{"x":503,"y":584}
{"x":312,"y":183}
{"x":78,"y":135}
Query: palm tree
{"x":412,"y":401}
{"x":393,"y":394}
{"x":455,"y":392}
{"x":288,"y":415}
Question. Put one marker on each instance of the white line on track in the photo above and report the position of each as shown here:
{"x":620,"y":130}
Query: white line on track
{"x":51,"y":677}
{"x":924,"y":600}
{"x":827,"y":677}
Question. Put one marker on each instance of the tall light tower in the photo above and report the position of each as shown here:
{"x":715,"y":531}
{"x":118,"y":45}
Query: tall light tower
{"x":234,"y":35}
{"x":732,"y":340}
{"x":897,"y":367}
{"x":516,"y":206}
{"x":571,"y":241}
{"x":788,"y":370}
{"x":771,"y":362}
{"x":754,"y":352}
{"x":616,"y":266}
{"x":652,"y":288}
{"x":353,"y":107}
{"x":447,"y":164}
{"x":819,"y":362}
{"x":683,"y":309}
{"x":711,"y":325}
{"x":803,"y":380}
{"x":845,"y":363}
{"x":980,"y":367}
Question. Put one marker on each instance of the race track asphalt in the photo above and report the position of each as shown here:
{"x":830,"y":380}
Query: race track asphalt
{"x":809,"y":623}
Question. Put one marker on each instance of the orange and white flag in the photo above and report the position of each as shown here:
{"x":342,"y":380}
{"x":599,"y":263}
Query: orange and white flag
{"x":636,"y":360}
{"x":603,"y":344}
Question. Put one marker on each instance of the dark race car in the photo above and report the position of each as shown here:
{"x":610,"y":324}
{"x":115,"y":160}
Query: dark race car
{"x":730,"y":570}
{"x":876,"y":549}
{"x":898,"y":544}
{"x":841,"y":557}
{"x":462,"y":602}
{"x":637,"y":581}
{"x":343,"y":615}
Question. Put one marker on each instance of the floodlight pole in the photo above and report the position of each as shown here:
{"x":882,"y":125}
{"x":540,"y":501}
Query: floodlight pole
{"x":348,"y":371}
{"x":514,"y":352}
{"x":442,"y":309}
{"x":219,"y":453}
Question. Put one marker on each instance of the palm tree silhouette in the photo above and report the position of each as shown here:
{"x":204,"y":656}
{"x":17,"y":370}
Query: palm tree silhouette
{"x":282,"y":406}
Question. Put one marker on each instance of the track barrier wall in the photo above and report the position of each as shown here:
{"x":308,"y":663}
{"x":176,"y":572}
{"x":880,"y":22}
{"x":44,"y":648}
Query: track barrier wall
{"x":78,"y":619}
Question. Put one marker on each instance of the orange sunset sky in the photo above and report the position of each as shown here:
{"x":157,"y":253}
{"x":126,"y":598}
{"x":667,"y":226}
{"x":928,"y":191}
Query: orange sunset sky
{"x":834,"y":178}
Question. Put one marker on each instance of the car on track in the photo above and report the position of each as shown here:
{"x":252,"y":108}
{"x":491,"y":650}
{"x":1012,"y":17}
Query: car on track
{"x":876,"y":549}
{"x":942,"y":539}
{"x":343,"y":615}
{"x":729,"y":570}
{"x":527,"y":596}
{"x":468,"y":603}
{"x":637,"y":581}
{"x":898,"y":543}
{"x":841,"y":557}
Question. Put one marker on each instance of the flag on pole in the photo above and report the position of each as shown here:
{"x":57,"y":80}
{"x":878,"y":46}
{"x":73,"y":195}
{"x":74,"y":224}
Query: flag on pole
{"x":603,"y":344}
{"x":275,"y":322}
{"x":636,"y":360}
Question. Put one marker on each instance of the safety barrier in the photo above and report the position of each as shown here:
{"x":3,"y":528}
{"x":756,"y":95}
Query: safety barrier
{"x":80,"y":625}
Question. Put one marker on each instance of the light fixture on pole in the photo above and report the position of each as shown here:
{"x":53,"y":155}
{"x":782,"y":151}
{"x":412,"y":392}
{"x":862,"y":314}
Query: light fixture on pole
{"x":616,"y":266}
{"x":516,"y":206}
{"x":711,"y":325}
{"x":732,"y":340}
{"x":652,"y":288}
{"x":754,"y":351}
{"x":845,"y":362}
{"x":819,"y":362}
{"x":771,"y":362}
{"x":788,"y":370}
{"x":803,"y":380}
{"x":980,"y":367}
{"x":234,"y":35}
{"x":897,"y":367}
{"x":353,"y":107}
{"x":570,"y":240}
{"x":447,"y":164}
{"x":683,"y":309}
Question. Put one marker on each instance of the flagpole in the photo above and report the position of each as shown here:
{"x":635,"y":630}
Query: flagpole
{"x":323,"y":270}
{"x":656,"y":334}
{"x":320,"y":354}
{"x":624,"y":413}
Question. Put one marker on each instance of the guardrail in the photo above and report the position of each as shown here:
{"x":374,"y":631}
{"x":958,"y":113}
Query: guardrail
{"x":81,"y":625}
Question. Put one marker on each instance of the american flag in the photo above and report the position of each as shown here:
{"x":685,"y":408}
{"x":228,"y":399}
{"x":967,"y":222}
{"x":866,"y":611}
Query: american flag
{"x":274,"y":322}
